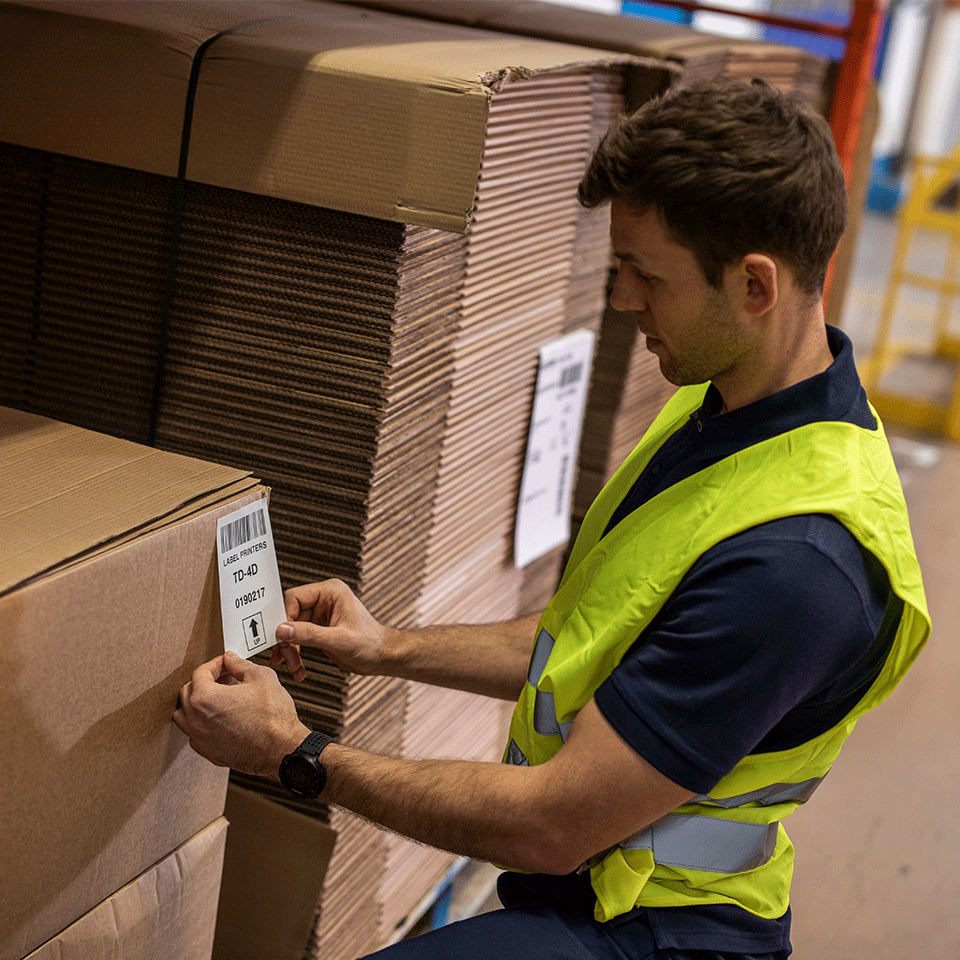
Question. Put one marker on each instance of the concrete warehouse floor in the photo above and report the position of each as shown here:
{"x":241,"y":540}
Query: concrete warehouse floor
{"x":878,"y":848}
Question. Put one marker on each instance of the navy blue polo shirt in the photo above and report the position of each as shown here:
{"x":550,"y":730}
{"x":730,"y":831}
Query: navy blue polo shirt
{"x":770,"y":638}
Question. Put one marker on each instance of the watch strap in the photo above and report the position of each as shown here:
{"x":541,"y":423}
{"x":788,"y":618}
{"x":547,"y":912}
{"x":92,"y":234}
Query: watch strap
{"x":314,"y":744}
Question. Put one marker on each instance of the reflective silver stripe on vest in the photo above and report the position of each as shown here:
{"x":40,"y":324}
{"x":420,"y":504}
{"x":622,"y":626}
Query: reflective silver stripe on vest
{"x":541,"y":654}
{"x":515,"y":755}
{"x":545,"y":717}
{"x":765,"y":796}
{"x":544,"y":710}
{"x":716,"y":844}
{"x":713,"y":844}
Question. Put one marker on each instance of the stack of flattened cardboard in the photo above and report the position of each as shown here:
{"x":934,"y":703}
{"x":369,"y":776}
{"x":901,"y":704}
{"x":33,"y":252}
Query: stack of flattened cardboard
{"x":84,"y":247}
{"x":519,"y":264}
{"x":113,"y":836}
{"x":312,"y":322}
{"x":586,"y":297}
{"x":519,"y":269}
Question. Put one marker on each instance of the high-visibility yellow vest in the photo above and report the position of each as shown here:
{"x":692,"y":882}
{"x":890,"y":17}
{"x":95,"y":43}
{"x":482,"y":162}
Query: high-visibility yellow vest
{"x":728,"y":847}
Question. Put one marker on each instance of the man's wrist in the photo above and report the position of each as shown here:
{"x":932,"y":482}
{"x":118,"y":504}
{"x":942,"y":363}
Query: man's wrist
{"x":395,"y":647}
{"x":287,"y":745}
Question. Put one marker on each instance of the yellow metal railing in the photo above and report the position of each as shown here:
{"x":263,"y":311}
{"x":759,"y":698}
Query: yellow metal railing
{"x":934,"y":179}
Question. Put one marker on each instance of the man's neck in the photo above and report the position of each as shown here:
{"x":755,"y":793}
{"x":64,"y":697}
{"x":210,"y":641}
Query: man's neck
{"x":790,"y":353}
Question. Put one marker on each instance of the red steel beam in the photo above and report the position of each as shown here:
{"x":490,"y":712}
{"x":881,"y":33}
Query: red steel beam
{"x":853,"y":80}
{"x":791,"y":23}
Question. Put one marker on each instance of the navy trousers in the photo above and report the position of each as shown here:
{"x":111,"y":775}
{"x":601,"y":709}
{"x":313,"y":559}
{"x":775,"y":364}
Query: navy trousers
{"x":546,"y":933}
{"x":542,"y":933}
{"x":551,"y":918}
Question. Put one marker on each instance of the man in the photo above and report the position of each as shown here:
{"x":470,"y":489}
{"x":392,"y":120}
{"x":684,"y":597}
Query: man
{"x":741,"y":591}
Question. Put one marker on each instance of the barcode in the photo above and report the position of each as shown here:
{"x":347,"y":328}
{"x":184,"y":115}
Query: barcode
{"x":571,"y":374}
{"x":241,"y":530}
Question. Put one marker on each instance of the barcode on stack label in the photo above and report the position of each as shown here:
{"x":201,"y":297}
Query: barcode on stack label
{"x":571,"y":374}
{"x":242,"y":530}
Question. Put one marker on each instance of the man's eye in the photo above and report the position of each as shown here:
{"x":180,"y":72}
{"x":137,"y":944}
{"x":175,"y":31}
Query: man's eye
{"x":637,"y":272}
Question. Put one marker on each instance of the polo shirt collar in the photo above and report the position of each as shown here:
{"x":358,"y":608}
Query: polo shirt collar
{"x":834,"y":394}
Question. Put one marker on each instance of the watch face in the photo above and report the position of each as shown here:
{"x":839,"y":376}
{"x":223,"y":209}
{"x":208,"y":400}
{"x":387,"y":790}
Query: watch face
{"x":301,"y":777}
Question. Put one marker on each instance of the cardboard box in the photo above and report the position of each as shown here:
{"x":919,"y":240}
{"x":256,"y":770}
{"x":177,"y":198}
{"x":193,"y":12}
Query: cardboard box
{"x":402,"y":122}
{"x":109,"y":599}
{"x":269,"y":847}
{"x":168,"y":911}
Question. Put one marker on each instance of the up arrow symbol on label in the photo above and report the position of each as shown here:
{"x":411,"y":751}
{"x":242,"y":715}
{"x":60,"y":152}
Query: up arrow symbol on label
{"x":254,"y":632}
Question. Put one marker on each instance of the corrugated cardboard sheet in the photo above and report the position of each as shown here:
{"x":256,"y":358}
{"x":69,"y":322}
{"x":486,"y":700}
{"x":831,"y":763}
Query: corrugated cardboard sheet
{"x":269,"y":848}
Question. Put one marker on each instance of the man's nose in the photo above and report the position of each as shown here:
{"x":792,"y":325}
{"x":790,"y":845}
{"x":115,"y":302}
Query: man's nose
{"x":628,"y":293}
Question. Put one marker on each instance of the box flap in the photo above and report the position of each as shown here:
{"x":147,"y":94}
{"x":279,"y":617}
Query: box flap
{"x":168,"y":911}
{"x":94,"y":490}
{"x":276,"y":849}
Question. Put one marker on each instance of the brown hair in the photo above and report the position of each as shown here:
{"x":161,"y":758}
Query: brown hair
{"x":733,"y":168}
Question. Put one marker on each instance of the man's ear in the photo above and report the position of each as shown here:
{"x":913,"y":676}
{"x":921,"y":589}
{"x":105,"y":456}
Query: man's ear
{"x":758,"y":283}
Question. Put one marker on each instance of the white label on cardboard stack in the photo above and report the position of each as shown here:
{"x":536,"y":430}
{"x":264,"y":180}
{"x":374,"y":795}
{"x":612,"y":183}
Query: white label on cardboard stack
{"x":251,"y":597}
{"x":543,"y":512}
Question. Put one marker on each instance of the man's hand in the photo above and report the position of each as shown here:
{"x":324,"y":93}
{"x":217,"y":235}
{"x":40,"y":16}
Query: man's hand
{"x":237,"y":715}
{"x":328,"y":616}
{"x":486,"y":658}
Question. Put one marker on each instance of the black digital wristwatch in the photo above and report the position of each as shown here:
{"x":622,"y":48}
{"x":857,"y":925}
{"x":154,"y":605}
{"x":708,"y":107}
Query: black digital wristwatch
{"x":301,"y":771}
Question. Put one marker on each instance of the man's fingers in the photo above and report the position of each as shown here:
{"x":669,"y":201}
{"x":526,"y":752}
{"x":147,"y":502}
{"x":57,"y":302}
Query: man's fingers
{"x":300,"y":601}
{"x":185,"y":715}
{"x":180,"y":719}
{"x":180,"y":716}
{"x":290,"y":654}
{"x":236,"y":668}
{"x":316,"y":601}
{"x":206,"y":673}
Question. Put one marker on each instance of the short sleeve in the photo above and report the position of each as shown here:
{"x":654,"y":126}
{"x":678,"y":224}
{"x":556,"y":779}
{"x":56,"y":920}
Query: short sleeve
{"x":763,"y":623}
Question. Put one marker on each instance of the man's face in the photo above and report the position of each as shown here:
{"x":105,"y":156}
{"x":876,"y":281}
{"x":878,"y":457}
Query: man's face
{"x":689,"y":325}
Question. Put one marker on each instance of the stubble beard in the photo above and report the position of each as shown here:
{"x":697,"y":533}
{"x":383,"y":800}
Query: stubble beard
{"x":717,"y":345}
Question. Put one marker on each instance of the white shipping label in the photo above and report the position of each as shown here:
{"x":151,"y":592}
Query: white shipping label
{"x":251,"y":597}
{"x":553,"y":444}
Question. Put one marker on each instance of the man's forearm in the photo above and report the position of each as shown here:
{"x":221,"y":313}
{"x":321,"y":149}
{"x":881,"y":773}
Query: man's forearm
{"x":549,"y":817}
{"x":489,"y":659}
{"x":486,"y":811}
